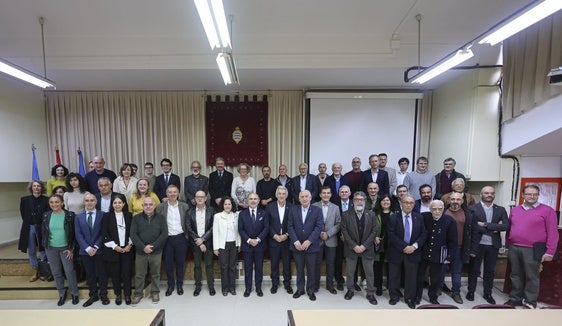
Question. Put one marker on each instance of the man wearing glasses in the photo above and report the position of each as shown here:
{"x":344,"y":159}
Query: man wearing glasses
{"x":533,"y":238}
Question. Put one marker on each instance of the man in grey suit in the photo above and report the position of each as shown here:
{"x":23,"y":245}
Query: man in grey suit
{"x":193,"y":183}
{"x":328,"y":237}
{"x":489,"y":220}
{"x":359,"y":229}
{"x":199,"y":222}
{"x":175,"y":250}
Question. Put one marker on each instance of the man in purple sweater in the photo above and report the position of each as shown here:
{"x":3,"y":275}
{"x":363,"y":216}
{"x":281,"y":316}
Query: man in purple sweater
{"x":532,"y":239}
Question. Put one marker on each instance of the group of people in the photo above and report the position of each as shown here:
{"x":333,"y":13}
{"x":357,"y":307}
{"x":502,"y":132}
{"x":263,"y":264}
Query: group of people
{"x":408,"y":221}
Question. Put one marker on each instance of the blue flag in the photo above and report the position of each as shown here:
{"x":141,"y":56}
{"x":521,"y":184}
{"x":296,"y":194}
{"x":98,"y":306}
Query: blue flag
{"x":34,"y":168}
{"x":81,"y":168}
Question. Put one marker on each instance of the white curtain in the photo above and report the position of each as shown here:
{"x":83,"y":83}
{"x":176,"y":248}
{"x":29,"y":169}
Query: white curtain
{"x":137,"y":127}
{"x":527,"y":58}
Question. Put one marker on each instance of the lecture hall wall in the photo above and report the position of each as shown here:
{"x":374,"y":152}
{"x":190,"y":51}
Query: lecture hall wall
{"x":22,"y":123}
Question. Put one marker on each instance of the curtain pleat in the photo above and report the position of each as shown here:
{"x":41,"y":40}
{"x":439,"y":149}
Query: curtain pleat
{"x":137,"y":127}
{"x":527,"y":58}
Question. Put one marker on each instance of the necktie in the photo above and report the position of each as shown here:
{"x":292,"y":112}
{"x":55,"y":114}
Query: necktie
{"x":407,"y":229}
{"x":338,"y":186}
{"x":166,"y":178}
{"x":345,"y":207}
{"x":90,"y":224}
{"x":253,"y":216}
{"x":325,"y":211}
{"x":220,"y":174}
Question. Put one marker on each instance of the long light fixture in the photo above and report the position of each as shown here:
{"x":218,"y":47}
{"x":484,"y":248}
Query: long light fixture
{"x":25,"y":75}
{"x":522,"y":21}
{"x":214,"y":22}
{"x":227,"y":67}
{"x":459,"y":57}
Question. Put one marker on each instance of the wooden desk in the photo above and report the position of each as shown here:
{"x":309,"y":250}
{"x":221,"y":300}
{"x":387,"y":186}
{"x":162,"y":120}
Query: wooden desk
{"x":425,"y":317}
{"x":93,"y":317}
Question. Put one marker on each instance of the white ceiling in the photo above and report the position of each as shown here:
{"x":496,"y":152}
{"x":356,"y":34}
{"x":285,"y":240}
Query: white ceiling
{"x":161,"y":45}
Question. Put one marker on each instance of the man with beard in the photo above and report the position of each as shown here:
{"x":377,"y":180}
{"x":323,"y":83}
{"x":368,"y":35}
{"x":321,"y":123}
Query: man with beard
{"x":266,"y":187}
{"x":489,"y":220}
{"x":463,"y":219}
{"x":422,"y":204}
{"x":193,"y":183}
{"x":359,"y":229}
{"x":354,"y":176}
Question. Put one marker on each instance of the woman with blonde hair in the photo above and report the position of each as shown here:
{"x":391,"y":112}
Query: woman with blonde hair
{"x":143,"y":191}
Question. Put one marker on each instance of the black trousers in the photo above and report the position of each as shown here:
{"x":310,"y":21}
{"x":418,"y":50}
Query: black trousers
{"x":435,"y":278}
{"x":489,"y":255}
{"x":227,"y":259}
{"x":121,"y":272}
{"x":253,"y":261}
{"x":280,"y":253}
{"x":409,"y":267}
{"x":305,"y":259}
{"x":175,"y":252}
{"x":338,"y":265}
{"x":95,"y":274}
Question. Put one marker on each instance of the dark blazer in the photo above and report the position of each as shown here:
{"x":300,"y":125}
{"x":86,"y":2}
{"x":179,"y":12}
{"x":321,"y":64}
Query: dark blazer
{"x":113,"y":194}
{"x":110,"y":232}
{"x":84,"y":237}
{"x":160,"y":184}
{"x":500,"y":223}
{"x":248,"y":229}
{"x":454,"y":175}
{"x":395,"y":235}
{"x":467,"y":232}
{"x":331,"y":182}
{"x":440,"y":233}
{"x":68,"y":229}
{"x":309,"y":230}
{"x":219,"y":187}
{"x":191,"y":225}
{"x":351,"y":235}
{"x":162,"y":209}
{"x":382,"y":181}
{"x":311,"y":185}
{"x":275,"y":226}
{"x":31,"y":214}
{"x":192,"y":185}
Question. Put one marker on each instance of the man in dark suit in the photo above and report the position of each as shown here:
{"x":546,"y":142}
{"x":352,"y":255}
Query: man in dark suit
{"x":176,"y":247}
{"x":374,"y":174}
{"x":304,"y":181}
{"x":278,"y":212}
{"x":253,"y":226}
{"x":488,"y":221}
{"x":344,"y":203}
{"x":220,"y":183}
{"x":165,"y":179}
{"x":335,"y":182}
{"x":328,"y":237}
{"x":87,"y":228}
{"x":105,"y":195}
{"x":406,"y":236}
{"x":305,"y":224}
{"x":439,"y":249}
{"x":193,"y":183}
{"x":359,"y":229}
{"x":199,"y":222}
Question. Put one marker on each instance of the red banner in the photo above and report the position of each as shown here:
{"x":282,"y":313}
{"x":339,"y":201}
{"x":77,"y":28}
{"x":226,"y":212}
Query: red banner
{"x":237,"y":131}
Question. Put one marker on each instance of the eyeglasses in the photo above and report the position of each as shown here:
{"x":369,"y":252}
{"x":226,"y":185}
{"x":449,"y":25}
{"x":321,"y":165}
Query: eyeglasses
{"x":531,"y":195}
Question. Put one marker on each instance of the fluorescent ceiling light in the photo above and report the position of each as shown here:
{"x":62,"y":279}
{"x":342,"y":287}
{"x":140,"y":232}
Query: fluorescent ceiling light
{"x":431,"y":72}
{"x":20,"y":73}
{"x":524,"y":20}
{"x":227,"y":67}
{"x":214,"y":22}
